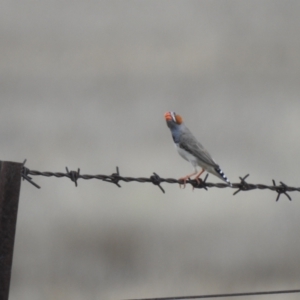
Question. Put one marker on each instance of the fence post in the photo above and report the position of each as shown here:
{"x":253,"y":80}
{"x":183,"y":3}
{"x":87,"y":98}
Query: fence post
{"x":10,"y":182}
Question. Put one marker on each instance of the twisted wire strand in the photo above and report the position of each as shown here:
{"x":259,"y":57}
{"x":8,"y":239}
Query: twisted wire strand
{"x":155,"y":179}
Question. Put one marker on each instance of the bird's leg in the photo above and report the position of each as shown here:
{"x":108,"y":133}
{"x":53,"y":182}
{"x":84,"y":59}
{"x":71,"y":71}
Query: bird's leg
{"x":185,"y":178}
{"x":198,"y":175}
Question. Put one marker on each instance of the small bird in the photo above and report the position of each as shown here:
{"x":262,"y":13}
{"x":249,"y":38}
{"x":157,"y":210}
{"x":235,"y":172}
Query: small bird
{"x":191,"y":150}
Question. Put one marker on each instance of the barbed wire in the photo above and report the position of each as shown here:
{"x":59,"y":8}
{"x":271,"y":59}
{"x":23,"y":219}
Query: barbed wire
{"x":155,"y":179}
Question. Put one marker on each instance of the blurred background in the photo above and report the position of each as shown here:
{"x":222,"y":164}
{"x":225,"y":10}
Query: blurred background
{"x":85,"y":84}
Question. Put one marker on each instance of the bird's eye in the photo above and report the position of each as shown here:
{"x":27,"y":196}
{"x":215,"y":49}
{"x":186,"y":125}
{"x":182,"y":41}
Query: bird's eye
{"x":173,"y":115}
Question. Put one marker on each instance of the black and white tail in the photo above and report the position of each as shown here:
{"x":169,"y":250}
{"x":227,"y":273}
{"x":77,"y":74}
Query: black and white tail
{"x":222,"y":175}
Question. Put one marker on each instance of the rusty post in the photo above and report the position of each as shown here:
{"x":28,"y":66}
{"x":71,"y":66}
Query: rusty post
{"x":10,"y":182}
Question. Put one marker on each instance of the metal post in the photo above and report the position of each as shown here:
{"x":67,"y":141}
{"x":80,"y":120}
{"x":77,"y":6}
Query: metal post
{"x":10,"y":182}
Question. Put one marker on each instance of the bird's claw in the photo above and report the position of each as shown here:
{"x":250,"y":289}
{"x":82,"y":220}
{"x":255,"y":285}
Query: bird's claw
{"x":188,"y":177}
{"x":184,"y":179}
{"x":199,"y":182}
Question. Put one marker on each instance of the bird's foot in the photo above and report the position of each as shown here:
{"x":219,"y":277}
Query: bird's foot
{"x":184,"y":179}
{"x":198,"y":180}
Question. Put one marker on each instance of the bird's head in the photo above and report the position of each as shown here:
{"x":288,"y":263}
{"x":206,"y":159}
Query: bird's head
{"x":172,"y":119}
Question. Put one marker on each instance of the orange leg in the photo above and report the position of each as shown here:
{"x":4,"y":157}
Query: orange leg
{"x":185,"y":178}
{"x":198,"y":175}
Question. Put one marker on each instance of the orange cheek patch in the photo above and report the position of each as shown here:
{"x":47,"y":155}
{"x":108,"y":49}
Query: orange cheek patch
{"x":178,"y":119}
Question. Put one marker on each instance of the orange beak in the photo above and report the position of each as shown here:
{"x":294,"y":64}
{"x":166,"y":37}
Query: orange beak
{"x":168,"y":116}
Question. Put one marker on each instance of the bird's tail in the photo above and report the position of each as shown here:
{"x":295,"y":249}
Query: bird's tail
{"x":219,"y":173}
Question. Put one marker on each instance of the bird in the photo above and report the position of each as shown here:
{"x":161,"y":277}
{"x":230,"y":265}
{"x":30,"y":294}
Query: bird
{"x":191,"y":150}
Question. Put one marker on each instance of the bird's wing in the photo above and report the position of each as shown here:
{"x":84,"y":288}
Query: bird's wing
{"x":189,"y":143}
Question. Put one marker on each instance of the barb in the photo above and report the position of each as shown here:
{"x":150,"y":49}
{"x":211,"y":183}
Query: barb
{"x":115,"y":177}
{"x":281,"y":190}
{"x":73,"y":175}
{"x":155,"y":179}
{"x":24,"y":174}
{"x":244,"y":186}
